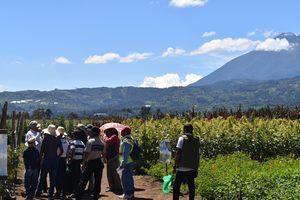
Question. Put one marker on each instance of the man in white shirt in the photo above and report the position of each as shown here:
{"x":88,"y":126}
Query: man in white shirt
{"x":186,"y":162}
{"x":34,"y":133}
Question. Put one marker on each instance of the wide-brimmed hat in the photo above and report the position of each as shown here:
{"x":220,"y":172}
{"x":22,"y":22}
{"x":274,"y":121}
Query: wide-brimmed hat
{"x":30,"y":141}
{"x":33,"y":124}
{"x":51,"y":130}
{"x":81,"y":127}
{"x":60,"y":130}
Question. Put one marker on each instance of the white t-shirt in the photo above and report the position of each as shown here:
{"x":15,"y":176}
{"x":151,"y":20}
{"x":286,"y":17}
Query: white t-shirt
{"x":179,"y":146}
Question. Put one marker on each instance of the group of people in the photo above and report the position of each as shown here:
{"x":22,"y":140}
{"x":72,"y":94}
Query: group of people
{"x":77,"y":159}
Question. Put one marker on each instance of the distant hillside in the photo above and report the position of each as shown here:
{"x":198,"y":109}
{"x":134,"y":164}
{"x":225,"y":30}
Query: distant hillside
{"x":260,"y":65}
{"x":113,"y":100}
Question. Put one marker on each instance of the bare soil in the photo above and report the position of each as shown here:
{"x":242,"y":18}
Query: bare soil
{"x":146,"y":189}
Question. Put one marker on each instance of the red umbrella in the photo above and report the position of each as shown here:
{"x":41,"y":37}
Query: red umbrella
{"x":117,"y":126}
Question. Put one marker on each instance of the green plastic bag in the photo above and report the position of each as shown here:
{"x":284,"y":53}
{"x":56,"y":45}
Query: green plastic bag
{"x":167,"y":183}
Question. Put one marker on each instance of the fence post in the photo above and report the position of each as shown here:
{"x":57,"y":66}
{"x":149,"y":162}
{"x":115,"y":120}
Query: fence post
{"x":13,"y":129}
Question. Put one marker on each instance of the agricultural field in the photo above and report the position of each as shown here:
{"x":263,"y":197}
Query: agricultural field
{"x":241,"y":158}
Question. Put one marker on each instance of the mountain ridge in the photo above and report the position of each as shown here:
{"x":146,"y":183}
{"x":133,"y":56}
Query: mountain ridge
{"x":228,"y":94}
{"x":260,"y":65}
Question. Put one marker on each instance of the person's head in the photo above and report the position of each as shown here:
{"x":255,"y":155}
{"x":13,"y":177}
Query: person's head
{"x":126,"y":131}
{"x":50,"y":130}
{"x":188,"y":128}
{"x":110,"y":132}
{"x":76,"y":134}
{"x":33,"y":125}
{"x":95,"y":131}
{"x":60,"y":131}
{"x":89,"y":129}
{"x":39,"y":128}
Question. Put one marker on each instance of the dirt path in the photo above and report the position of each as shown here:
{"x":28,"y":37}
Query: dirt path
{"x":146,"y":189}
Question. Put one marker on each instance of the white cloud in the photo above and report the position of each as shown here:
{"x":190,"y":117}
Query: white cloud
{"x":187,"y":3}
{"x":208,"y":34}
{"x":191,"y":78}
{"x":61,"y":60}
{"x":101,"y":59}
{"x":274,"y":45}
{"x":225,"y":45}
{"x":173,"y":52}
{"x":169,"y":80}
{"x":135,"y":57}
{"x":251,"y":33}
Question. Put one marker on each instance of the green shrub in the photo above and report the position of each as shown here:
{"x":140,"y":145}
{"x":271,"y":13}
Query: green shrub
{"x":236,"y":176}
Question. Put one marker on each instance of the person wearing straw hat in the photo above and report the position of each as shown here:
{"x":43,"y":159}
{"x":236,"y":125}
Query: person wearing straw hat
{"x":61,"y":171}
{"x":49,"y":155}
{"x":31,"y":158}
{"x":34,"y":132}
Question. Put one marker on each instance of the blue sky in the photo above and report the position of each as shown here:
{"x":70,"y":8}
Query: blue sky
{"x":91,"y":43}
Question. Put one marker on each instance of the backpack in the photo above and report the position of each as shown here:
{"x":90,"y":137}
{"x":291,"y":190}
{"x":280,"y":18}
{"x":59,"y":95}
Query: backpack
{"x":136,"y":151}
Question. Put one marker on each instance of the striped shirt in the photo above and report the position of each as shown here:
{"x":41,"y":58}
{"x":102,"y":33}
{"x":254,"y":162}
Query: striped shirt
{"x":95,"y":147}
{"x":79,"y":146}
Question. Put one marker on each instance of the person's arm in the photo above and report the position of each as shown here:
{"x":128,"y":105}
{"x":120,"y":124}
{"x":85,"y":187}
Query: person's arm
{"x":86,"y":154}
{"x":177,"y":159}
{"x":26,"y":137}
{"x":126,"y":152}
{"x":178,"y":153}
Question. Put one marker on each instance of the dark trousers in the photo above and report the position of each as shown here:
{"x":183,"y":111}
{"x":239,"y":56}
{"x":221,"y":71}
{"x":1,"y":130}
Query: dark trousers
{"x":180,"y":177}
{"x":75,"y":173}
{"x":49,"y":166}
{"x":31,"y":181}
{"x":113,"y":177}
{"x":93,"y":166}
{"x":61,"y":177}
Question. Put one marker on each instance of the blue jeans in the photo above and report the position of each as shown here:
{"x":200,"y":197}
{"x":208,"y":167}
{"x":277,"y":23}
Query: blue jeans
{"x":31,"y":181}
{"x":49,"y":166}
{"x":127,"y":179}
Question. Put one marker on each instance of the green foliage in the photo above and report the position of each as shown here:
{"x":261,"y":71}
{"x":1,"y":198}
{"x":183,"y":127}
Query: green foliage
{"x":237,"y":176}
{"x":260,"y":138}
